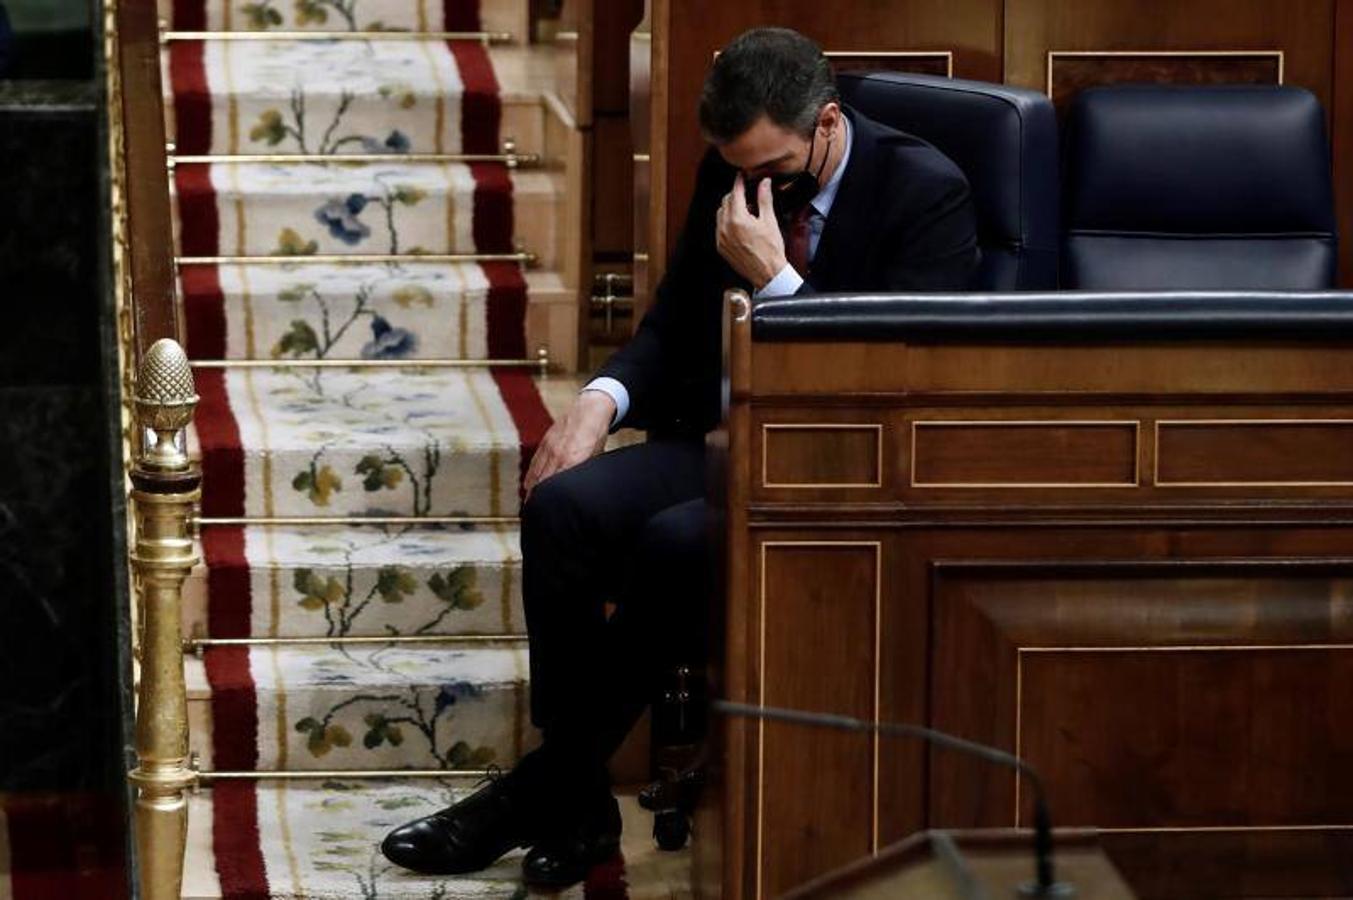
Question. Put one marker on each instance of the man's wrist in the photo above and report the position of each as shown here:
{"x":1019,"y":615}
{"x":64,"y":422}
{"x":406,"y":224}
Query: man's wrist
{"x":774,"y":267}
{"x":595,"y":403}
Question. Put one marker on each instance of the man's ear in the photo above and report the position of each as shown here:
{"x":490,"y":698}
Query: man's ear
{"x":829,"y":120}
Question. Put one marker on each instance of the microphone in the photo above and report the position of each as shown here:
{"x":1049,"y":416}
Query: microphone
{"x":1044,"y":884}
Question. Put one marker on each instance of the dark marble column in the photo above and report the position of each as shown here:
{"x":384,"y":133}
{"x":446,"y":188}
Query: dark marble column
{"x":60,"y":702}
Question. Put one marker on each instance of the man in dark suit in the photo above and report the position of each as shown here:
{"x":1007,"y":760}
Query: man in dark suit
{"x":841,"y":204}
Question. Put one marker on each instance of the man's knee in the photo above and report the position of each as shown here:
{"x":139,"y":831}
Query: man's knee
{"x":552,"y":508}
{"x":678,"y":536}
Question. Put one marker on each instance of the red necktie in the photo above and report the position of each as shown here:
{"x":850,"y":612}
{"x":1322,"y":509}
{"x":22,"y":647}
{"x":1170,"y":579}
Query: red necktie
{"x":797,"y":233}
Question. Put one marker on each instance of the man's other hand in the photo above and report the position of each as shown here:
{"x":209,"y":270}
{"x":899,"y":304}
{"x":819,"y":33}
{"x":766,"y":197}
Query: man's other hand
{"x":752,"y":244}
{"x":577,"y":437}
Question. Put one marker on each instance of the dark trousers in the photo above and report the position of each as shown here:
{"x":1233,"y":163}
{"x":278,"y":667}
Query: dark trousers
{"x":627,"y":528}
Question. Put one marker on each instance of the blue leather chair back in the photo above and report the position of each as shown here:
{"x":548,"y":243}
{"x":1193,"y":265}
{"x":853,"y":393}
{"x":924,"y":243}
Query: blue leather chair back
{"x":1005,"y":141}
{"x":1195,"y":188}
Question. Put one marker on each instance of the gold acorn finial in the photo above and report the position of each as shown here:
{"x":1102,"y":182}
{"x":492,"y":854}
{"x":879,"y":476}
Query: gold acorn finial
{"x":165,"y":399}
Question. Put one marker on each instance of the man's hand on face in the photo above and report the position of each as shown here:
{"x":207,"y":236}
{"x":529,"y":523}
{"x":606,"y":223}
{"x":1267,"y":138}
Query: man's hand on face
{"x":752,"y":244}
{"x":577,"y":437}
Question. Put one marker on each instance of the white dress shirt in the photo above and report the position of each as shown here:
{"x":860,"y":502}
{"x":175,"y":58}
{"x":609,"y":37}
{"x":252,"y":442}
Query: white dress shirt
{"x":785,"y":283}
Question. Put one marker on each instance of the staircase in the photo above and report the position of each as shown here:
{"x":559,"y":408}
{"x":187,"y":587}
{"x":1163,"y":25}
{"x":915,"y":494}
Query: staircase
{"x":378,"y":263}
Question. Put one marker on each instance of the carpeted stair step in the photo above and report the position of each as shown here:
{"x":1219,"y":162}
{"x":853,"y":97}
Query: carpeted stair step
{"x":359,"y":706}
{"x":320,"y":841}
{"x":366,"y":442}
{"x":323,"y":581}
{"x":353,"y":96}
{"x":263,"y":209}
{"x":409,"y":311}
{"x":504,"y":16}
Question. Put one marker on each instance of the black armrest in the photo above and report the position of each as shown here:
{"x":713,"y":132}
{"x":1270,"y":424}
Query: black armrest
{"x":1063,"y":316}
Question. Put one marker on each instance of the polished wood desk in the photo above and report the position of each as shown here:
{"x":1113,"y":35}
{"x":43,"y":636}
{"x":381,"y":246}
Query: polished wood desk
{"x":1126,"y":561}
{"x":970,"y":865}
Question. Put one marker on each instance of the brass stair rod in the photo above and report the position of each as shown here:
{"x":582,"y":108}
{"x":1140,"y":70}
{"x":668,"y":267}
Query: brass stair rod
{"x":166,"y":487}
{"x":511,"y":160}
{"x":339,"y":774}
{"x":196,"y":646}
{"x":409,"y":363}
{"x":358,"y":259}
{"x":349,"y":521}
{"x":484,"y":37}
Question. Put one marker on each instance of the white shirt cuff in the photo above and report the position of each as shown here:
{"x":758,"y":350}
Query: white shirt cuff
{"x":616,"y":391}
{"x":785,"y":283}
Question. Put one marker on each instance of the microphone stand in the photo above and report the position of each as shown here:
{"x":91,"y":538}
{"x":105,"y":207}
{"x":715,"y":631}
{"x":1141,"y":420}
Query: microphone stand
{"x":1044,"y":884}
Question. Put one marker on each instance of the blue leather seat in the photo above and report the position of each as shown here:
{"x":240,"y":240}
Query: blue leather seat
{"x":1195,"y":188}
{"x":1005,"y":141}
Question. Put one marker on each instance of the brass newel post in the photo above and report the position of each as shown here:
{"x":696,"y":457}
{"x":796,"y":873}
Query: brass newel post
{"x":166,"y":485}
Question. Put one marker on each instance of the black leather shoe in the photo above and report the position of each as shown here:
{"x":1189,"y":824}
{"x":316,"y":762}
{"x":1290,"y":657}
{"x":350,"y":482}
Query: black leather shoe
{"x":466,"y":837}
{"x":566,"y":856}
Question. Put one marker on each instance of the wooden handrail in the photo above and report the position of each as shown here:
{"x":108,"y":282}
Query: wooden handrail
{"x":143,"y":176}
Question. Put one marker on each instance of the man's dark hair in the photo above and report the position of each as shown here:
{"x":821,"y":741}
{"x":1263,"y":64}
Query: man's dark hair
{"x":775,"y":72}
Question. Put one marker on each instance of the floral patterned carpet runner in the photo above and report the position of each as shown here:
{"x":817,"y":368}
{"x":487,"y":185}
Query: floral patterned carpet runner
{"x":315,"y":840}
{"x":402,"y":441}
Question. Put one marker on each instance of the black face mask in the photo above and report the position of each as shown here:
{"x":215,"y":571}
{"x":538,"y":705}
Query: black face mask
{"x":793,"y":191}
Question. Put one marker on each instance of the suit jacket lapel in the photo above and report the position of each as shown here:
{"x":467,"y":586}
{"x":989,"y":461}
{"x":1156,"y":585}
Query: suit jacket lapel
{"x":849,"y":220}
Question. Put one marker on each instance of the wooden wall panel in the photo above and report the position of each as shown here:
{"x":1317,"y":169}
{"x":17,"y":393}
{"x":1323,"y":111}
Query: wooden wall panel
{"x":1070,"y":72}
{"x":1292,"y":453}
{"x":1150,"y":694}
{"x":1024,"y":454}
{"x":613,"y":189}
{"x":1342,"y":133}
{"x":822,"y":823}
{"x":1201,"y":738}
{"x":1034,"y":27}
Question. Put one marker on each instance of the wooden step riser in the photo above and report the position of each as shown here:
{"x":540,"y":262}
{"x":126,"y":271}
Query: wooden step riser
{"x":446,"y":307}
{"x":362,"y":708}
{"x":486,"y":730}
{"x":321,"y":840}
{"x":523,"y":124}
{"x":538,"y":209}
{"x":285,"y":601}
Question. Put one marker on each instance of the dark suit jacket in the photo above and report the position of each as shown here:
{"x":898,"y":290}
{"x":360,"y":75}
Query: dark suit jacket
{"x":902,"y":220}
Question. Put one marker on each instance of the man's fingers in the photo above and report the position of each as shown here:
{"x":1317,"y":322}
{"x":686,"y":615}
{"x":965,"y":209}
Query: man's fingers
{"x":738,"y":196}
{"x":535,"y":472}
{"x":765,"y":203}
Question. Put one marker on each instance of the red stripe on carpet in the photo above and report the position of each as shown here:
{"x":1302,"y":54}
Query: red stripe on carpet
{"x":192,"y":95}
{"x":204,"y":309}
{"x":235,"y":840}
{"x":462,"y":15}
{"x":522,"y":399}
{"x":493,"y":213}
{"x":606,"y":881}
{"x":199,"y":222}
{"x":234,"y":709}
{"x":506,"y":310}
{"x":506,"y":333}
{"x":229,"y":600}
{"x":222,"y":453}
{"x":190,"y":15}
{"x":481,"y":107}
